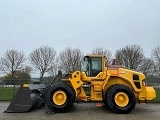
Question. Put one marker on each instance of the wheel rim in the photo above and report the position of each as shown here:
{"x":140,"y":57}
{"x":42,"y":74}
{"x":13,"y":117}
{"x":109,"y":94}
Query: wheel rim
{"x":121,"y":99}
{"x":59,"y":97}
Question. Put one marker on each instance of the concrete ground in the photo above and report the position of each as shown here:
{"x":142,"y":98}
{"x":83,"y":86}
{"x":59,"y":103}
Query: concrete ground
{"x":84,"y":111}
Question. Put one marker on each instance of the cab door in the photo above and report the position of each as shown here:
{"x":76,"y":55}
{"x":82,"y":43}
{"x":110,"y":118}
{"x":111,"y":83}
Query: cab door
{"x":95,"y":66}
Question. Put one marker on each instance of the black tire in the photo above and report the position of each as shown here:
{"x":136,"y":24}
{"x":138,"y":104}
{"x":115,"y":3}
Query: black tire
{"x":70,"y":97}
{"x":111,"y":102}
{"x":37,"y":99}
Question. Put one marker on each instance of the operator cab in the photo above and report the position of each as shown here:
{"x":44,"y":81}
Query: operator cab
{"x":92,"y":65}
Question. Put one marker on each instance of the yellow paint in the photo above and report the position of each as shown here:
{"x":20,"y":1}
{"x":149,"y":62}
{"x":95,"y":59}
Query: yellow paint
{"x":115,"y":80}
{"x":108,"y":77}
{"x":121,"y":99}
{"x":81,"y":94}
{"x":25,"y":85}
{"x":76,"y":81}
{"x":96,"y":90}
{"x":147,"y":93}
{"x":59,"y":97}
{"x":100,"y":76}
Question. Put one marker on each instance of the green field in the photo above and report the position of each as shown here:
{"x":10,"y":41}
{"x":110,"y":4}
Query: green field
{"x":7,"y":93}
{"x":157,"y":99}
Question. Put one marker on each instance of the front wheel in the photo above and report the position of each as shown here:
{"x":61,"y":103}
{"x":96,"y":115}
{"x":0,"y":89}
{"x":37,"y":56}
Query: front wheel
{"x":120,"y":99}
{"x":60,"y":97}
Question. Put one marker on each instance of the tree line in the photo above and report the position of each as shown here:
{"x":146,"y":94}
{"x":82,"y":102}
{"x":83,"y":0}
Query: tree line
{"x":45,"y":59}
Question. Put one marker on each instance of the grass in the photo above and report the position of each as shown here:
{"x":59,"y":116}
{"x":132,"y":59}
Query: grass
{"x":157,"y":99}
{"x":7,"y":93}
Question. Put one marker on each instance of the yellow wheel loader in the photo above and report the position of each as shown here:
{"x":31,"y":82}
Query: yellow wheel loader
{"x":118,"y":88}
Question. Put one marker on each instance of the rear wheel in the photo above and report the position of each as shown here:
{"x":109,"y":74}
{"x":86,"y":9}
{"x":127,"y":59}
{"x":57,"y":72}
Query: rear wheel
{"x":120,"y":99}
{"x":60,"y":97}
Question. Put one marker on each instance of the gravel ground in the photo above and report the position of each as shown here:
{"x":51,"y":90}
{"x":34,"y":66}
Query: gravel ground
{"x":84,"y":111}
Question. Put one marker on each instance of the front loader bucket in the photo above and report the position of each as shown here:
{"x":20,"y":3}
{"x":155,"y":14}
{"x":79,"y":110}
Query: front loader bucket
{"x":26,"y":99}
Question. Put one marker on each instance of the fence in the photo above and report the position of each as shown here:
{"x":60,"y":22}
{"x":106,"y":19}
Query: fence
{"x":8,"y":88}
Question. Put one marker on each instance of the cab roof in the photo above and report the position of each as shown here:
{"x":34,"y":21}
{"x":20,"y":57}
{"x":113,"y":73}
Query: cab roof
{"x":94,"y":55}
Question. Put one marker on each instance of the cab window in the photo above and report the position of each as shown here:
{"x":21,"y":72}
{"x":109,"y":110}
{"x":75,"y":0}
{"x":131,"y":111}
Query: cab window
{"x":96,"y":66}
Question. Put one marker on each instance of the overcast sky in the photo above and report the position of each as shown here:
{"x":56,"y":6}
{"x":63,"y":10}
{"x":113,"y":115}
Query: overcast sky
{"x":84,"y":24}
